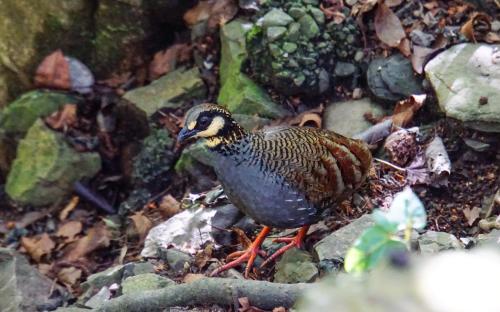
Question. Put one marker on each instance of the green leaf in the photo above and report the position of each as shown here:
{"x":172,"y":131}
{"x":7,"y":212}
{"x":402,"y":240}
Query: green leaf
{"x":406,"y":211}
{"x":370,"y":248}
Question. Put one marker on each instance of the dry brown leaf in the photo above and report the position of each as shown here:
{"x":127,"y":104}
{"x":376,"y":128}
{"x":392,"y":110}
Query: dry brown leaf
{"x":30,"y":218}
{"x":97,"y":237}
{"x":166,"y":60}
{"x":38,"y":246}
{"x":405,"y":47}
{"x":203,"y":256}
{"x":246,"y":307}
{"x":419,"y":58}
{"x":142,"y":224}
{"x":215,"y":12}
{"x":388,"y":26}
{"x":69,"y":208}
{"x":363,"y":6}
{"x":69,"y":276}
{"x":69,"y":230}
{"x":53,"y":72}
{"x":279,"y":309}
{"x":169,"y":206}
{"x":471,"y":214}
{"x":63,"y":118}
{"x":406,"y":109}
{"x":242,"y":238}
{"x":309,"y":117}
{"x":476,"y":28}
{"x":431,"y":5}
{"x":492,"y":37}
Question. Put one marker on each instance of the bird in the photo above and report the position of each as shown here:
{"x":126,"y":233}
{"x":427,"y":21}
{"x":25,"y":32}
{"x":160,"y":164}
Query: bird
{"x":282,"y":177}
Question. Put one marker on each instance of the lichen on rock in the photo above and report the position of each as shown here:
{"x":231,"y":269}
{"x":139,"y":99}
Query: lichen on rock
{"x":293,"y":47}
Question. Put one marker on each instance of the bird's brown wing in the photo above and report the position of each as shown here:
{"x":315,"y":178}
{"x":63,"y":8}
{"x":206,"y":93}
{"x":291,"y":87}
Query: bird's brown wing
{"x":320,"y":163}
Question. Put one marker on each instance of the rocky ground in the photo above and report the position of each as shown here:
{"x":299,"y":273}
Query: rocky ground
{"x":98,"y":204}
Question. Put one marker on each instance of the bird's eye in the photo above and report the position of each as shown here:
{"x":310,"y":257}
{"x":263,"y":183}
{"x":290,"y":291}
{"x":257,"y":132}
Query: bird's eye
{"x":203,"y":122}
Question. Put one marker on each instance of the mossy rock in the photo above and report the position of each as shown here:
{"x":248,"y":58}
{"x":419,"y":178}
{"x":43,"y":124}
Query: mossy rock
{"x":46,"y":167}
{"x":20,"y":115}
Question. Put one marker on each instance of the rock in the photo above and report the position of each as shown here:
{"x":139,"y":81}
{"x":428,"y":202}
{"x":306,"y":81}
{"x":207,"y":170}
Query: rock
{"x":29,"y":31}
{"x":225,"y":217}
{"x":238,"y":92}
{"x":275,"y":32}
{"x":97,"y":300}
{"x":143,"y":282}
{"x":150,"y":170}
{"x":466,"y":78}
{"x":491,"y":239}
{"x":295,"y":266}
{"x":187,"y":231}
{"x":347,"y":118}
{"x":170,"y":91}
{"x":432,"y":242}
{"x":392,"y":79}
{"x":177,"y":260}
{"x":421,"y":38}
{"x":344,"y":69}
{"x":23,"y":287}
{"x":308,"y":27}
{"x":334,"y":246}
{"x":21,"y":114}
{"x":46,"y":167}
{"x":276,"y":17}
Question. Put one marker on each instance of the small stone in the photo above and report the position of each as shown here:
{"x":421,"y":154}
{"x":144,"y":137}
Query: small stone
{"x":308,"y":27}
{"x":293,"y":31}
{"x":421,"y":38}
{"x":97,"y":300}
{"x":276,"y":17}
{"x":289,"y":47}
{"x":343,"y":69}
{"x":296,"y":12}
{"x":431,"y":242}
{"x":105,"y":278}
{"x":311,"y":2}
{"x":275,"y":32}
{"x":334,"y":246}
{"x":299,"y":80}
{"x":295,"y":266}
{"x":347,"y":118}
{"x":170,"y":91}
{"x":177,"y":260}
{"x":143,"y":282}
{"x":318,"y":15}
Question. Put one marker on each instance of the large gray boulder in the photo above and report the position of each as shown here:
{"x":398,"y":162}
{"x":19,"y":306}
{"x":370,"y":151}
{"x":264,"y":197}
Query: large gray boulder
{"x":466,"y":78}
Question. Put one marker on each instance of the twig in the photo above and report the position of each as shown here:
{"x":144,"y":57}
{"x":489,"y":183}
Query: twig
{"x":389,"y":164}
{"x":261,"y":294}
{"x":93,"y":197}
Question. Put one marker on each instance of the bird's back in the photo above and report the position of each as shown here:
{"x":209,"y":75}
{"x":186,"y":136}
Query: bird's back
{"x":291,"y":174}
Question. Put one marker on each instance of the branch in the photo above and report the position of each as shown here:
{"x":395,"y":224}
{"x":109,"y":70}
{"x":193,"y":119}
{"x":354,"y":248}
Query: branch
{"x":223,"y":291}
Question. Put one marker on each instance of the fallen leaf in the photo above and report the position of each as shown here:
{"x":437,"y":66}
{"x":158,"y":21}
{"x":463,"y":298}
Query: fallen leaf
{"x":166,"y":60}
{"x":69,"y":276}
{"x":420,"y":57}
{"x":310,"y":117}
{"x":63,"y":215}
{"x":38,"y":246}
{"x":142,"y":224}
{"x":53,"y":72}
{"x":363,"y":6}
{"x":375,"y":133}
{"x":492,"y":37}
{"x":438,"y":162}
{"x":388,"y":26}
{"x":63,"y":118}
{"x":393,"y":3}
{"x":97,"y":237}
{"x":476,"y":28}
{"x":202,"y":257}
{"x":406,"y":109}
{"x":215,"y":12}
{"x":401,"y":146}
{"x":169,"y":206}
{"x":30,"y":218}
{"x":405,"y":47}
{"x":279,"y":309}
{"x":417,"y":171}
{"x":69,"y":230}
{"x":471,"y":214}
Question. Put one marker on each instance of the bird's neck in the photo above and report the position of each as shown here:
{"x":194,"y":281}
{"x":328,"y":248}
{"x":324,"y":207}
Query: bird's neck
{"x":223,"y":142}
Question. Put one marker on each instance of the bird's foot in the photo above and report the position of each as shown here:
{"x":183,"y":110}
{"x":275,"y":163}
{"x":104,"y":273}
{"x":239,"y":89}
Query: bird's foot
{"x":248,"y":255}
{"x":296,"y":241}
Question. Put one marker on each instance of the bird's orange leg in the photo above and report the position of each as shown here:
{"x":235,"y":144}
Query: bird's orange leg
{"x":296,"y":241}
{"x":248,"y":255}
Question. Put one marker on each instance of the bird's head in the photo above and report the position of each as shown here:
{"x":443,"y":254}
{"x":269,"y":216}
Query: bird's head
{"x":210,"y":122}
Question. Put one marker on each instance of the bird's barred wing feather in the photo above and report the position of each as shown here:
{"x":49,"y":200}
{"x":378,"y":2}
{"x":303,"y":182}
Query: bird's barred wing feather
{"x":322,"y":163}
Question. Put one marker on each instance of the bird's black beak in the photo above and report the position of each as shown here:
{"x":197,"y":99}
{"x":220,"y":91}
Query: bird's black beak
{"x":184,"y":135}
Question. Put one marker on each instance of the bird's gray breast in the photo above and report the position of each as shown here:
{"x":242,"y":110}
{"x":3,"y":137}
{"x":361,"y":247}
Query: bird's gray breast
{"x":263,"y":195}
